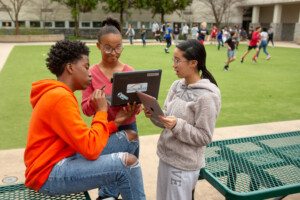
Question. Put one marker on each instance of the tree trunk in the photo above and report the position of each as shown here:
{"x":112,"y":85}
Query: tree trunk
{"x":121,"y":20}
{"x":76,"y":30}
{"x":17,"y":25}
{"x":162,"y":16}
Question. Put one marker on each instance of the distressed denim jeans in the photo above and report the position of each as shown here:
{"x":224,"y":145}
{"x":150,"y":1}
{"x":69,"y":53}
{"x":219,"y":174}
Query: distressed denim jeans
{"x":76,"y":174}
{"x":113,"y":146}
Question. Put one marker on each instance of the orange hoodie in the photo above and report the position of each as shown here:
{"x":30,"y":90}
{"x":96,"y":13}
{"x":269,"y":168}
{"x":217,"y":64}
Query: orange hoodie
{"x":56,"y":131}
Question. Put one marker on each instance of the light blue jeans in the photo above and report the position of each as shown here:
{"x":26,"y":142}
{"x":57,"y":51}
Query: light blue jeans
{"x":112,"y":189}
{"x":76,"y":174}
{"x":264,"y":45}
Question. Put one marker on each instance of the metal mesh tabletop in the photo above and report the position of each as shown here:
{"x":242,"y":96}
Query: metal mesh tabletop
{"x":21,"y":192}
{"x":259,"y":167}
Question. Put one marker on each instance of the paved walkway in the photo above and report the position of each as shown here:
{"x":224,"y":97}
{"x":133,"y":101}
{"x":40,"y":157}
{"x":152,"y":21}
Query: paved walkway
{"x":11,"y":161}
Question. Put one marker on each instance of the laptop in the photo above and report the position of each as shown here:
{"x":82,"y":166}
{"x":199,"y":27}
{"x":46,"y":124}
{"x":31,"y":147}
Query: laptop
{"x":152,"y":104}
{"x":126,"y":84}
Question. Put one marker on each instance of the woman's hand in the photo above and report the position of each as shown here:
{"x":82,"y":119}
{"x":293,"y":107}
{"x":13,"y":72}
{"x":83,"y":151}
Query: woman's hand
{"x":147,"y":112}
{"x":168,"y":121}
{"x":125,"y":113}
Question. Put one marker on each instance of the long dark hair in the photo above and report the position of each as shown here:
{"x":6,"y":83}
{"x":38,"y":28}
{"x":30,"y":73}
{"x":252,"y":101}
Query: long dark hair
{"x":195,"y":50}
{"x":108,"y":26}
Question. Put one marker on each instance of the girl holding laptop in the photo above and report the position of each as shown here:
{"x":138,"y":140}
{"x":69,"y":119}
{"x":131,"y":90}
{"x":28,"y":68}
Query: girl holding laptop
{"x":190,"y":113}
{"x":111,"y":47}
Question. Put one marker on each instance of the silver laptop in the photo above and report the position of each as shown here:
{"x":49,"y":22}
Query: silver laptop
{"x":126,"y":84}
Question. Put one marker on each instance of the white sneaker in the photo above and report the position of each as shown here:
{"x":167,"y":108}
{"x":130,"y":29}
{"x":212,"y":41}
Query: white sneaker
{"x":268,"y":57}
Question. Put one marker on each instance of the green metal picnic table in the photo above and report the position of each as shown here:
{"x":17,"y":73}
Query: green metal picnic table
{"x":257,"y":167}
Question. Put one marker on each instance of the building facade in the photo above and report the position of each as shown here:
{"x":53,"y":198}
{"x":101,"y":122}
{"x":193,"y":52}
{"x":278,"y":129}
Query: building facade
{"x":282,"y":15}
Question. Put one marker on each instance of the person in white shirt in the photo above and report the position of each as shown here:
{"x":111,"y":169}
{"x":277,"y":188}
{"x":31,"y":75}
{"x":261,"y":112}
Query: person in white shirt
{"x":154,"y":27}
{"x":194,"y":31}
{"x":185,"y":31}
{"x":264,"y":43}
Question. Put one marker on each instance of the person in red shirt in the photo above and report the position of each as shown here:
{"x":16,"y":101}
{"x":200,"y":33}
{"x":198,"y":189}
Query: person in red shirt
{"x":253,"y":44}
{"x":63,"y":155}
{"x":214,"y":32}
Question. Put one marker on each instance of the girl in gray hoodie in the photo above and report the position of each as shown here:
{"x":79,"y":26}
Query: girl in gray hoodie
{"x":191,"y":110}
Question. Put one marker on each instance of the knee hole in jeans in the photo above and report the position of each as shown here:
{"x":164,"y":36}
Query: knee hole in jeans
{"x":131,"y":135}
{"x":130,"y":160}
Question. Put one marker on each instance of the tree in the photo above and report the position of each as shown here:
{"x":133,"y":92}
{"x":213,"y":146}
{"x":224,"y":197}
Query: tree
{"x":122,"y":6}
{"x":164,"y":7}
{"x":220,"y":8}
{"x":13,"y":8}
{"x":78,"y":6}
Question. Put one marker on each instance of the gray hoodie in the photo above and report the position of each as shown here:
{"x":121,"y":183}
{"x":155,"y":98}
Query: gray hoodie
{"x":197,"y":107}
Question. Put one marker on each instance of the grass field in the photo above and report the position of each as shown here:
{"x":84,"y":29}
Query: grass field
{"x":252,"y":93}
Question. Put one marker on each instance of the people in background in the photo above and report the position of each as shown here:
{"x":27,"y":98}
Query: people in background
{"x":264,"y":43}
{"x":130,"y":32}
{"x":231,"y":54}
{"x":185,"y":31}
{"x":253,"y":44}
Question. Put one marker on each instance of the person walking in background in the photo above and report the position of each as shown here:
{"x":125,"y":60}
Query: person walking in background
{"x":163,"y":31}
{"x":169,"y":37}
{"x":264,"y":43}
{"x":143,"y":35}
{"x":185,"y":31}
{"x":236,"y":37}
{"x":190,"y":112}
{"x":225,"y":34}
{"x":271,"y":35}
{"x":243,"y":34}
{"x":176,"y":33}
{"x":220,"y":40}
{"x":130,"y":32}
{"x":158,"y":35}
{"x":231,"y":54}
{"x":194,"y":31}
{"x":253,"y":44}
{"x":155,"y":26}
{"x":202,"y":33}
{"x":214,"y":32}
{"x":249,"y":34}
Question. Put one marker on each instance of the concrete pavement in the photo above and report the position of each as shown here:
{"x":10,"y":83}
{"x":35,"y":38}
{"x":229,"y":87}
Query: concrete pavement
{"x":12,"y":166}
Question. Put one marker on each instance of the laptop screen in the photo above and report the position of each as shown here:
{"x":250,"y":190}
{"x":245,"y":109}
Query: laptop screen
{"x":126,"y":84}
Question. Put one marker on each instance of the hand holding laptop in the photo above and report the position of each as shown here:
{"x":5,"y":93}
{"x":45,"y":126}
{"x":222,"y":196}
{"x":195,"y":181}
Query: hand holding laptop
{"x":125,"y":113}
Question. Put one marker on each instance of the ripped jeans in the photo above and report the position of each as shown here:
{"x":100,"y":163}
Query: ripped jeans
{"x":76,"y":174}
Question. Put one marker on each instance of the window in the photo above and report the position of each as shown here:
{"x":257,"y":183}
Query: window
{"x":134,"y":24}
{"x":59,"y":24}
{"x":147,"y":24}
{"x":6,"y":24}
{"x":97,"y":24}
{"x":35,"y":24}
{"x":22,"y":24}
{"x":48,"y":24}
{"x":85,"y":24}
{"x":71,"y":24}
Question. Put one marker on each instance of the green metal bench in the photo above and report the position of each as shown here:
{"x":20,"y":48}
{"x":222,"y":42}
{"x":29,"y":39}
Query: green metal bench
{"x":20,"y":192}
{"x":257,"y":167}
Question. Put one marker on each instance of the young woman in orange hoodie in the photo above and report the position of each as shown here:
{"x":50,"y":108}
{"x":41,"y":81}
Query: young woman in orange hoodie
{"x":63,"y":155}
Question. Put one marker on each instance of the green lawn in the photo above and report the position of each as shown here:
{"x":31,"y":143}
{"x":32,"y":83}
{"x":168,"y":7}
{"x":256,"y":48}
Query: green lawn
{"x":252,"y":93}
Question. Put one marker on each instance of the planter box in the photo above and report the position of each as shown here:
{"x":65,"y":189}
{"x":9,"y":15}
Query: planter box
{"x":31,"y":38}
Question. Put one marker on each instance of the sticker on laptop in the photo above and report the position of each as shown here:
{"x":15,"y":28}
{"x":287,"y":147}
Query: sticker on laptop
{"x":141,"y":87}
{"x":122,"y":96}
{"x":153,"y":74}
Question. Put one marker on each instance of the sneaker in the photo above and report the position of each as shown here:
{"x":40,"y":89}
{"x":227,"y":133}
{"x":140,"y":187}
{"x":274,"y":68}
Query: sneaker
{"x":242,"y":60}
{"x":268,"y":57}
{"x":254,"y":60}
{"x":225,"y":68}
{"x":166,"y":50}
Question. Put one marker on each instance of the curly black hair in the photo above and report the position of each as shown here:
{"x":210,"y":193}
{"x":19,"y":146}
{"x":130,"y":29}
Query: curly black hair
{"x":63,"y":52}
